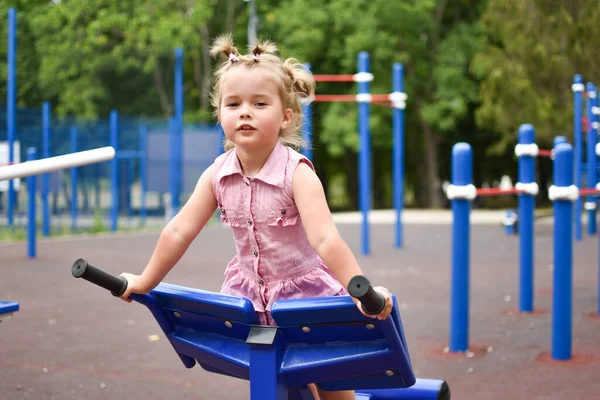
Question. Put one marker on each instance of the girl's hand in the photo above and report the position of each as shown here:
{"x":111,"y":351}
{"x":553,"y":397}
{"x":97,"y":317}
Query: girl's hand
{"x":387,"y":308}
{"x":135,"y":284}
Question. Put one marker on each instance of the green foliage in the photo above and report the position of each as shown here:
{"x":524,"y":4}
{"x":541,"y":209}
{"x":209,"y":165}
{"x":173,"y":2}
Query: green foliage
{"x":474,"y":70}
{"x":532,"y":52}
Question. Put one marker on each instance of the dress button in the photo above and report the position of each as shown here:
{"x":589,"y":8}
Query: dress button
{"x":260,"y":282}
{"x":247,"y":183}
{"x":283,"y":211}
{"x":249,"y":222}
{"x":255,"y":253}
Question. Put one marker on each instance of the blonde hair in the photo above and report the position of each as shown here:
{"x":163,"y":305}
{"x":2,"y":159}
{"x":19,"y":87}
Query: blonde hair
{"x":293,"y":80}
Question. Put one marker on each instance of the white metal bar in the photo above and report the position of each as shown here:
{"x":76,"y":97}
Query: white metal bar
{"x":50,"y":164}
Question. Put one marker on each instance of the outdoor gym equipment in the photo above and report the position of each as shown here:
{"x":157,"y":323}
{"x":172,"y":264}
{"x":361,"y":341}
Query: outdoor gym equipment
{"x":324,"y":340}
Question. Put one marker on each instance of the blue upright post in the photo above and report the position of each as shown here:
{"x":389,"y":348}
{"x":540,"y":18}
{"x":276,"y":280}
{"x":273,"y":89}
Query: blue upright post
{"x":45,"y":177}
{"x":462,"y":176}
{"x":592,"y":159}
{"x":11,"y":85}
{"x":265,"y":380}
{"x":398,"y":163}
{"x":179,"y":126}
{"x":510,"y":219}
{"x":114,"y":170}
{"x":31,"y":220}
{"x":563,"y":253}
{"x":364,"y":160}
{"x":130,"y":173}
{"x":173,"y":167}
{"x":307,"y":126}
{"x":526,"y":214}
{"x":558,"y":140}
{"x":74,"y":180}
{"x":578,"y":88}
{"x":143,"y":171}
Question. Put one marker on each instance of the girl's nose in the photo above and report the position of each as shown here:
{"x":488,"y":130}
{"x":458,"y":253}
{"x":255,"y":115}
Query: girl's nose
{"x":245,"y":112}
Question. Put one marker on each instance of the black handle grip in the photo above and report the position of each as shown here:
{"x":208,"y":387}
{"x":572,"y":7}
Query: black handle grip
{"x":115,"y":284}
{"x":372,"y":301}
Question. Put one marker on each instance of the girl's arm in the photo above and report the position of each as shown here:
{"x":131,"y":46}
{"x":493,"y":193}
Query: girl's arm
{"x":176,"y":237}
{"x":322,"y":232}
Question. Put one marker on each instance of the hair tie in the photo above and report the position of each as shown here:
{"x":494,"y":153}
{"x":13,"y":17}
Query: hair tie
{"x":256,"y":56}
{"x":233,"y":58}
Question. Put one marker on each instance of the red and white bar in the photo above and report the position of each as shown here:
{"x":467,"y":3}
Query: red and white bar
{"x":352,"y":98}
{"x":482,"y":192}
{"x":395,"y":98}
{"x":24,"y":169}
{"x":359,"y":77}
{"x":589,"y":192}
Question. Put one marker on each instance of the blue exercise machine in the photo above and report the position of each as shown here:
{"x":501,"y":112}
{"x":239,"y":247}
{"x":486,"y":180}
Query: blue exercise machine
{"x":7,"y":308}
{"x":324,"y":340}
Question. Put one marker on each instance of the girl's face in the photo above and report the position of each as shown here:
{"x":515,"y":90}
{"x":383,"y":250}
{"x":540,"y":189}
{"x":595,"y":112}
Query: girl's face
{"x":251,"y":112}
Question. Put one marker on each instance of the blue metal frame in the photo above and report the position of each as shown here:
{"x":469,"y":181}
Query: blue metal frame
{"x":563,"y":257}
{"x":398,"y":162}
{"x":8,"y":307}
{"x":11,"y":103}
{"x":591,"y":157}
{"x":73,"y":171}
{"x":31,"y":207}
{"x":578,"y":144}
{"x":307,"y":127}
{"x":114,"y":170}
{"x":462,"y":175}
{"x":321,"y":340}
{"x":45,"y":177}
{"x":526,"y":217}
{"x":364,"y":153}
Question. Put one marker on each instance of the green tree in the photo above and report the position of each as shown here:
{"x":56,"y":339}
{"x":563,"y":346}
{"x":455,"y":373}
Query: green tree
{"x":111,"y":54}
{"x":533,"y":49}
{"x":434,"y":40}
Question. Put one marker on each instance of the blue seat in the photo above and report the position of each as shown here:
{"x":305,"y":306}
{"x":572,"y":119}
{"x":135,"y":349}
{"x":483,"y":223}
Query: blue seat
{"x":323,"y":340}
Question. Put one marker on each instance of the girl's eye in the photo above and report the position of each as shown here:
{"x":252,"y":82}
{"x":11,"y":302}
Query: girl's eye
{"x":261,"y":103}
{"x":233,"y":104}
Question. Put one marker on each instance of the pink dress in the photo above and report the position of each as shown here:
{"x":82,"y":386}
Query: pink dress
{"x":274,"y":259}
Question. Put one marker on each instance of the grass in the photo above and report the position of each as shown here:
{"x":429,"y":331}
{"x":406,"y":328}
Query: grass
{"x":19,"y":233}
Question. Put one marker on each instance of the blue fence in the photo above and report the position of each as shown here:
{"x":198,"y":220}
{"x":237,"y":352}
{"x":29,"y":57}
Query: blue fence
{"x":152,"y":154}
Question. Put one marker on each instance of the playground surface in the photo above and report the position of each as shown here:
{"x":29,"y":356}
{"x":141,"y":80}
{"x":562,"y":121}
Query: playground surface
{"x":73,"y":340}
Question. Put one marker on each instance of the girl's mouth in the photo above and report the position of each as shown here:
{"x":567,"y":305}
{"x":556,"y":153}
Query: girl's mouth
{"x":246,"y":127}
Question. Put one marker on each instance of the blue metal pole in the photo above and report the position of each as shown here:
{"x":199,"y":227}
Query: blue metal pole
{"x":595,"y":128}
{"x":173,"y":166}
{"x":563,"y":256}
{"x":398,"y":162}
{"x":143,"y":173}
{"x":592,"y":159}
{"x":74,"y":180}
{"x":526,"y":214}
{"x":578,"y":88}
{"x":11,"y":105}
{"x":364,"y":159}
{"x":265,"y":381}
{"x":509,"y":222}
{"x":558,"y":140}
{"x":130,"y":180}
{"x":31,"y":220}
{"x":307,"y":127}
{"x":45,"y":177}
{"x":114,"y":170}
{"x":462,"y":175}
{"x":179,"y":123}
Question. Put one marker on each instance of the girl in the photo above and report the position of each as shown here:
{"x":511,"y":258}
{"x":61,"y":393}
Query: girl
{"x":287,"y":244}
